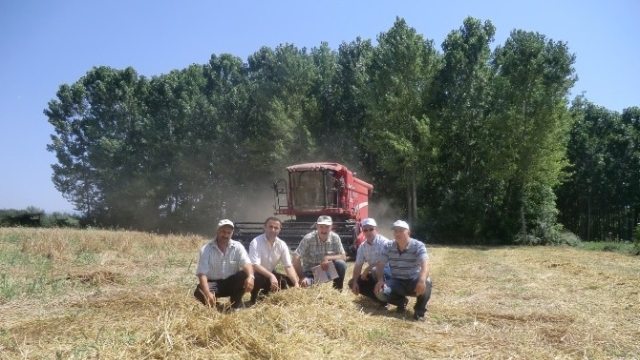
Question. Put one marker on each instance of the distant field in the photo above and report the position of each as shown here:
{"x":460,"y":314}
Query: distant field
{"x":101,"y":294}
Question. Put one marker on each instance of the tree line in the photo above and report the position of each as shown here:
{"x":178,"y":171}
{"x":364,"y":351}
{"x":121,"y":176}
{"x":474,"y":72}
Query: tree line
{"x":470,"y":143}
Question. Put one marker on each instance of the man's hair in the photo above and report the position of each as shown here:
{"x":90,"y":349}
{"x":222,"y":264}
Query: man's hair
{"x":272,"y":218}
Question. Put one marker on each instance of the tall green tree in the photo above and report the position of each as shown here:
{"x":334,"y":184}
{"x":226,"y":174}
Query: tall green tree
{"x":98,"y":125}
{"x":533,"y":76}
{"x":464,"y":195}
{"x":397,"y":129}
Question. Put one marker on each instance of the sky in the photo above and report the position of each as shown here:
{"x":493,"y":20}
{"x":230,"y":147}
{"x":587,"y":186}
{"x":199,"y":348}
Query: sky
{"x":45,"y":44}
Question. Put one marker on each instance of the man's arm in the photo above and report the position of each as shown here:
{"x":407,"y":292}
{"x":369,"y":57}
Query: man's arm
{"x":248,"y":283}
{"x":421,"y":286}
{"x":204,"y":287}
{"x":291,"y":274}
{"x":380,"y":276}
{"x":297,"y":265}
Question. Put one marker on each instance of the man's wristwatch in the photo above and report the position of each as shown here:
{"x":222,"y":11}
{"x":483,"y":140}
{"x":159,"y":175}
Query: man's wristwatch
{"x":253,"y":277}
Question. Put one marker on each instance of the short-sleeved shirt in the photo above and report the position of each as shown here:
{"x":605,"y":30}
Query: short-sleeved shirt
{"x":370,"y":253}
{"x":311,"y":250}
{"x":405,"y":264}
{"x":262,"y":253}
{"x":218,"y":265}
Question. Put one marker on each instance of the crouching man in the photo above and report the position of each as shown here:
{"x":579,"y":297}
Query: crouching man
{"x":224,"y":269}
{"x":363,"y":282}
{"x":409,"y":265}
{"x":267,"y":251}
{"x":320,"y":247}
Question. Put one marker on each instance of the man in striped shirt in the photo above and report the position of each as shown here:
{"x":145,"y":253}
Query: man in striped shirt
{"x":369,"y":251}
{"x":320,"y":247}
{"x":224,"y":269}
{"x":409,"y":264}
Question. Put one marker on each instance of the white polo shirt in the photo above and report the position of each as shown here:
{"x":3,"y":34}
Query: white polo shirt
{"x":262,"y":253}
{"x":218,"y":265}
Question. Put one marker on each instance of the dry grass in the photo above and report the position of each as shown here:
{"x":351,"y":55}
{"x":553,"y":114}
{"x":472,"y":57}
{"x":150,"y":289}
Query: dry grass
{"x":100,"y":294}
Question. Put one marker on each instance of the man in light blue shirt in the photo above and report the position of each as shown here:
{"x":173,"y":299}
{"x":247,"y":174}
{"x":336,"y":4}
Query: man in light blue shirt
{"x":369,"y":251}
{"x":409,"y":264}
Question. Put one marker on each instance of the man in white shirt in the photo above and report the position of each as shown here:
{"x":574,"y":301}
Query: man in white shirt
{"x":266,"y":251}
{"x":224,"y":269}
{"x":363,"y":282}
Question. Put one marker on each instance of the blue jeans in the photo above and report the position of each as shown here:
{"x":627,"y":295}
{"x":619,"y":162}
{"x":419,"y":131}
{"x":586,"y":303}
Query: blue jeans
{"x":396,"y":290}
{"x":341,"y":269}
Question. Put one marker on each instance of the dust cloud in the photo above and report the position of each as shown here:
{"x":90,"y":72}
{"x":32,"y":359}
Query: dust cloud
{"x":257,"y":203}
{"x":385,"y":215}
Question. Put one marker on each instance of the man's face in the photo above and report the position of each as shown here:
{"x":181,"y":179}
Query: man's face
{"x":323,"y":231}
{"x":225,"y":232}
{"x":272,"y":229}
{"x":400,"y":234}
{"x":369,"y":232}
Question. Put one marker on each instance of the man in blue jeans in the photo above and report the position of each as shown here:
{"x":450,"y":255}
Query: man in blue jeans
{"x":409,"y":264}
{"x":320,"y":247}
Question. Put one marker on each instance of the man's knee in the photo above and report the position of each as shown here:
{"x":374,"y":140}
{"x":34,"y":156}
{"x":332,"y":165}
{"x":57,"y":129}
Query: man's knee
{"x":341,"y":266}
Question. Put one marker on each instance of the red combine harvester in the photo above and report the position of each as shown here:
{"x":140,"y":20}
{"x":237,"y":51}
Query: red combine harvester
{"x":312,"y":190}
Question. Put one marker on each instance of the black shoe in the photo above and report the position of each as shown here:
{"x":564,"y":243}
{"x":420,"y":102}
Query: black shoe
{"x":402,"y":308}
{"x":420,"y":318}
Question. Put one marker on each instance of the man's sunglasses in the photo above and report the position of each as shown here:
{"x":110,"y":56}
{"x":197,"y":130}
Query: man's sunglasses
{"x":367,"y":230}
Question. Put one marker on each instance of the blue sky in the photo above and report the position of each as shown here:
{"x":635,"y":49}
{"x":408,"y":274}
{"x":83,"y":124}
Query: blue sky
{"x":44,"y":44}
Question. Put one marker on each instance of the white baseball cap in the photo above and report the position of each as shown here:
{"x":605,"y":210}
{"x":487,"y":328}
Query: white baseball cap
{"x":324,"y":220}
{"x":225,"y":222}
{"x":369,"y":222}
{"x":400,"y":224}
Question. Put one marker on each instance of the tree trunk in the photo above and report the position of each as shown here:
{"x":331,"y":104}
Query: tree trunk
{"x":523,"y":222}
{"x":409,"y":199}
{"x":414,"y":195}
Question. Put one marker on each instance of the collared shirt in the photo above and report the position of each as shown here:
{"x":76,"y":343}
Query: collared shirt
{"x":311,"y":250}
{"x":218,"y":265}
{"x":262,"y":253}
{"x":405,"y":264}
{"x":371,"y":252}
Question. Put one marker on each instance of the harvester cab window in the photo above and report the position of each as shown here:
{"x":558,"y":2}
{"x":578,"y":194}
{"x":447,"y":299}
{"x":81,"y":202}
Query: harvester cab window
{"x":308,"y":190}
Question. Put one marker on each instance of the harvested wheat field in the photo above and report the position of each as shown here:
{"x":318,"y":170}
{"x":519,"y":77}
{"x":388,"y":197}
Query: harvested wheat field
{"x":67,"y":294}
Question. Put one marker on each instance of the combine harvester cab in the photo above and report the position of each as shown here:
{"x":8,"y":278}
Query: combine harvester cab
{"x":312,"y":190}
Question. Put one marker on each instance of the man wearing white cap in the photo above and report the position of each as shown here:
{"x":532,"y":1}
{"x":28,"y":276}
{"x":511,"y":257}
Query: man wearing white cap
{"x":409,"y":264}
{"x":369,"y":251}
{"x":320,"y":247}
{"x":224,"y":269}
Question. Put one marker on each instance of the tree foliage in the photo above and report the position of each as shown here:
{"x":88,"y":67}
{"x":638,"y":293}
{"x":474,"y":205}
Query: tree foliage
{"x":470,"y":143}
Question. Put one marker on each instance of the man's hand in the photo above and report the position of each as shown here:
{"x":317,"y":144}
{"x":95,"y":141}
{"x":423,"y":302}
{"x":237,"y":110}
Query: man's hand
{"x":274,"y":283}
{"x":248,"y":284}
{"x":379,"y":287}
{"x":364,"y":276}
{"x":211,"y":299}
{"x":421,"y":287}
{"x":324,"y":265}
{"x":355,"y":289}
{"x":304,"y":282}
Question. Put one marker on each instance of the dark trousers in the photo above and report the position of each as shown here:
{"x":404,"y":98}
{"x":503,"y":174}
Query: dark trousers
{"x":366,"y":287}
{"x":262,"y":284}
{"x":232,"y":287}
{"x":341,"y":269}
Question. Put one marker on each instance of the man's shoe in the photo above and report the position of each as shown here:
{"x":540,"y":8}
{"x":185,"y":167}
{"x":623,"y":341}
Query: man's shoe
{"x":402,"y":308}
{"x":420,"y":318}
